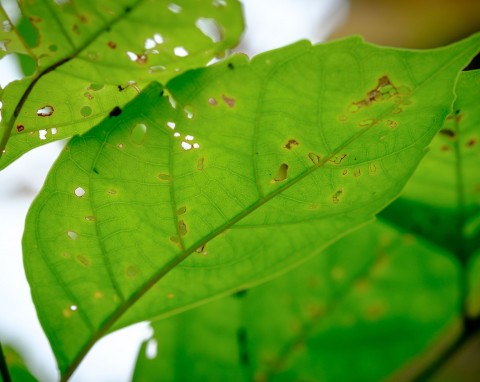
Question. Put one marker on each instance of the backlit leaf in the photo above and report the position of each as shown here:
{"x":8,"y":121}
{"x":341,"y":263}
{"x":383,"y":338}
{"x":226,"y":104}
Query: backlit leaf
{"x":234,"y":174}
{"x":362,"y":310}
{"x":93,"y":56}
{"x":442,"y":200}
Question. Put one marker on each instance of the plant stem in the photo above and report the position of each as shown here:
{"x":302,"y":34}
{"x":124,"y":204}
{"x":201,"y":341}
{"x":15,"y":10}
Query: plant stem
{"x":3,"y":367}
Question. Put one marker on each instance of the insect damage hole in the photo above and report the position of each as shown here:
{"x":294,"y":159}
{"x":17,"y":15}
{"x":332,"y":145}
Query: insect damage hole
{"x":151,"y":349}
{"x":210,"y":28}
{"x":282,"y":173}
{"x":45,"y":111}
{"x":79,"y":191}
{"x":72,"y":235}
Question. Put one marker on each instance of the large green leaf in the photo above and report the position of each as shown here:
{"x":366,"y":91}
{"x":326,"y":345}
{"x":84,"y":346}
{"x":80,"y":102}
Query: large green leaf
{"x":245,"y":169}
{"x":356,"y":312}
{"x":442,"y":200}
{"x":93,"y":56}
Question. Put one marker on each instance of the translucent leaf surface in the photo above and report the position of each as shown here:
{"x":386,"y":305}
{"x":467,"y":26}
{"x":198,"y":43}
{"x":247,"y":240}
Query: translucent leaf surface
{"x":93,"y":56}
{"x":356,"y":312}
{"x":245,"y":169}
{"x":442,"y":200}
{"x":9,"y":39}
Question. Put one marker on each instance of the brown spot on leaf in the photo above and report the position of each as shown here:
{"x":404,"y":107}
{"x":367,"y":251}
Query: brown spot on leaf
{"x":111,"y":45}
{"x":182,"y":228}
{"x":336,"y":195}
{"x":200,"y":164}
{"x":338,"y":159}
{"x":291,"y":143}
{"x":384,"y":90}
{"x":83,"y":260}
{"x":449,"y":133}
{"x":282,"y":173}
{"x":314,"y":158}
{"x":472,"y":142}
{"x":229,"y":101}
{"x":20,"y":128}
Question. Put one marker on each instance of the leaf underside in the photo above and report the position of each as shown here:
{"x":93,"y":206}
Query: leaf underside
{"x":364,"y":310}
{"x":243,"y":170}
{"x":93,"y":56}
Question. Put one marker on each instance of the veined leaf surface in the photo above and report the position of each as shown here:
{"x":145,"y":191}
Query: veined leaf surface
{"x":361,"y":312}
{"x":93,"y":56}
{"x":243,"y":170}
{"x":449,"y":172}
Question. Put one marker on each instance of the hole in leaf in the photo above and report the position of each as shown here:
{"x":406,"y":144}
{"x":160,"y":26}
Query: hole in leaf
{"x":188,"y":111}
{"x":175,"y":8}
{"x":210,"y":28}
{"x":72,"y":235}
{"x":79,"y":191}
{"x":45,"y":111}
{"x":171,"y":125}
{"x":186,"y":146}
{"x":180,"y":51}
{"x":73,"y":308}
{"x":151,"y":349}
{"x":138,"y":133}
{"x":158,"y":38}
{"x":42,"y":134}
{"x":281,"y":173}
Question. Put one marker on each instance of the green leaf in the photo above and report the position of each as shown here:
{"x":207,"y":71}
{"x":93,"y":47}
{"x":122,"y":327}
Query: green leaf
{"x":442,"y":200}
{"x":443,"y":197}
{"x":16,"y":366}
{"x":10,"y":42}
{"x":243,"y":170}
{"x":93,"y":56}
{"x":361,"y":312}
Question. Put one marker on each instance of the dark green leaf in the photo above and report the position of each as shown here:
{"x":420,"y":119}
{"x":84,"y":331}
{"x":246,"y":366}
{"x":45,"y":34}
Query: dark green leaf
{"x":370,"y":304}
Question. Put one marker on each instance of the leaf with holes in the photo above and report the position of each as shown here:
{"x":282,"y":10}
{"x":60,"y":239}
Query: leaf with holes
{"x":243,"y":170}
{"x":385,"y":300}
{"x":451,"y":219}
{"x":10,"y":40}
{"x":94,"y":56}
